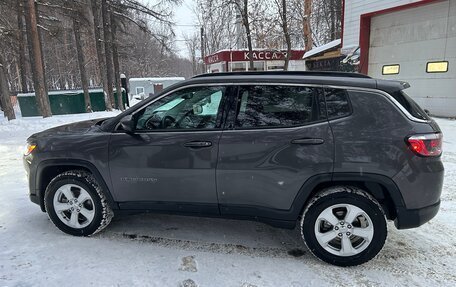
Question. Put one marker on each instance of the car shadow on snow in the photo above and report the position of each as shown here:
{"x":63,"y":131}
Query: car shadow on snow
{"x":215,"y":235}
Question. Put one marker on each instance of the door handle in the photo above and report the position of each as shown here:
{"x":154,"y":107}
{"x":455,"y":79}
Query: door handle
{"x":307,"y":141}
{"x":197,"y":144}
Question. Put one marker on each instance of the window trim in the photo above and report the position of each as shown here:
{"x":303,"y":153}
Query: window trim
{"x":436,"y":62}
{"x":233,"y":95}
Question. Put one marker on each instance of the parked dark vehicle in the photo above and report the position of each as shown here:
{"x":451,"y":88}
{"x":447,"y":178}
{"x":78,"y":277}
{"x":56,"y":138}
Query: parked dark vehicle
{"x":338,"y":153}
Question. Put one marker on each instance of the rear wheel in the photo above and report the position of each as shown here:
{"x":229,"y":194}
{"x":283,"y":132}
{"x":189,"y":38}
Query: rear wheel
{"x":76,"y":204}
{"x":344,"y":226}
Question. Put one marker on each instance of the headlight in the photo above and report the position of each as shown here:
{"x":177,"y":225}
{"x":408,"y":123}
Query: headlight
{"x":29,"y":149}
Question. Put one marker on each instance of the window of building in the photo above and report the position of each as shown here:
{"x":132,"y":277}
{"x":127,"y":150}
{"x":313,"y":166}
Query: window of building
{"x":238,"y":66}
{"x":139,"y":90}
{"x":276,"y":106}
{"x":258,"y":66}
{"x":437,"y":67}
{"x":391,"y":69}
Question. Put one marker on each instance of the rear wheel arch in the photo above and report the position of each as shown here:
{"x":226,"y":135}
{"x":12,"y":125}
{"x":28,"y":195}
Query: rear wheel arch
{"x":380,"y":187}
{"x":49,"y":169}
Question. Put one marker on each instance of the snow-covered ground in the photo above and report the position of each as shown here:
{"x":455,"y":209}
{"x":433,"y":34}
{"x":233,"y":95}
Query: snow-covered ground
{"x":162,"y":250}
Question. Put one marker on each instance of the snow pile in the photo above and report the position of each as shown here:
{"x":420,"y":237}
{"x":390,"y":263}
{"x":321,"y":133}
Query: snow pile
{"x":163,"y":250}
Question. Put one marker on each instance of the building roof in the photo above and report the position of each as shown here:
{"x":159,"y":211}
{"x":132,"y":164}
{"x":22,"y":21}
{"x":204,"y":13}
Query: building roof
{"x":322,"y":48}
{"x":157,"y":79}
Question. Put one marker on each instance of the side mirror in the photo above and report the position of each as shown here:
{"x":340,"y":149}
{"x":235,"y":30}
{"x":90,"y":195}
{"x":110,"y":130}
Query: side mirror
{"x":128,"y":124}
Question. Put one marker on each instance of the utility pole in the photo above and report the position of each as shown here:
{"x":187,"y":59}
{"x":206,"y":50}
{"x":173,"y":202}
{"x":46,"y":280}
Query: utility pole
{"x":202,"y":50}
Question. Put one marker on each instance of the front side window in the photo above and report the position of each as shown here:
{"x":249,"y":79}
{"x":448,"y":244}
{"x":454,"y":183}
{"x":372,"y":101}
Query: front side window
{"x":190,"y":108}
{"x":276,"y":106}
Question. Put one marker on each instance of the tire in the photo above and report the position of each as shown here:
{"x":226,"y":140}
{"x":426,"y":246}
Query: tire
{"x":344,"y":226}
{"x":75,"y":203}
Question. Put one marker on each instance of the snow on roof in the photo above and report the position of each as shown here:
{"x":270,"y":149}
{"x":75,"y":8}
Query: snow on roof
{"x":322,"y":48}
{"x":157,"y":79}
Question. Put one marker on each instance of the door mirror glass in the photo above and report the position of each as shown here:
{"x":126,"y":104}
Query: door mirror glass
{"x":127,"y":123}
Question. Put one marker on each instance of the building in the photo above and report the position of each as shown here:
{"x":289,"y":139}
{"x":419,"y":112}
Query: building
{"x":150,"y":86}
{"x":409,"y":40}
{"x":328,"y":57}
{"x":263,"y":60}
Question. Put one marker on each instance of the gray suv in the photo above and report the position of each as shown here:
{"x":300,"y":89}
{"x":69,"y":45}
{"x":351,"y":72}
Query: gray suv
{"x":337,"y":153}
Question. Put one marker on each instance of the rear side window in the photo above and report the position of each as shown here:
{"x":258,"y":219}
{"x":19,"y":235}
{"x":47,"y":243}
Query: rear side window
{"x":337,"y":103}
{"x":410,"y":105}
{"x":277,"y":106}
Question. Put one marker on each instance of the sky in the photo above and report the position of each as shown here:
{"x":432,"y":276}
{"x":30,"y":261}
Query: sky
{"x":185,"y":21}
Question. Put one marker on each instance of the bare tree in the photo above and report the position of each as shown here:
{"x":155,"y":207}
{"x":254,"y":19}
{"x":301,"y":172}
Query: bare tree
{"x":282,"y":11}
{"x":82,"y":63}
{"x":105,"y":16}
{"x":21,"y":47}
{"x":115,"y":54}
{"x":306,"y":25}
{"x":36,"y":58}
{"x":243,"y":9}
{"x":192,"y":44}
{"x":5,"y":99}
{"x":100,"y":53}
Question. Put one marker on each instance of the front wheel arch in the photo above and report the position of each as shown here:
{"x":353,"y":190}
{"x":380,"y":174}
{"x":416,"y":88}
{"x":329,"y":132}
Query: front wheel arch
{"x":49,"y":169}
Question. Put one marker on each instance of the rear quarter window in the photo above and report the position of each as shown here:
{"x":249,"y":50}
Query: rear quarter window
{"x":337,"y":103}
{"x":410,"y":105}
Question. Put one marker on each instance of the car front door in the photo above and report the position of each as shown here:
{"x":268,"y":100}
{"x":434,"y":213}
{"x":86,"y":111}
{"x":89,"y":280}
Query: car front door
{"x":277,"y":137}
{"x":169,"y":162}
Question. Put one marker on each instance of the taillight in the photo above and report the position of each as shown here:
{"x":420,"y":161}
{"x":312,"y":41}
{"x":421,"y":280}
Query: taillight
{"x":426,"y":144}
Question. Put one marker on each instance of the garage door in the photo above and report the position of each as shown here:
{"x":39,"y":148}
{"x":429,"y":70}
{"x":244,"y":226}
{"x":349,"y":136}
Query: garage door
{"x":418,"y":45}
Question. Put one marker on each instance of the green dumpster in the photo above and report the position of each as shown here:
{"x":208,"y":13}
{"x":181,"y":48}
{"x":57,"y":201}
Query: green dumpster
{"x":64,"y":102}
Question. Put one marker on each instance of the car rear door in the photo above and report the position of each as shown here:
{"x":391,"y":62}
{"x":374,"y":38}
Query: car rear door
{"x":277,"y":137}
{"x":169,"y":162}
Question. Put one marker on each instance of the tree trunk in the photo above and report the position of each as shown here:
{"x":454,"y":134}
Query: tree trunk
{"x":36,"y":59}
{"x":332,"y":11}
{"x":306,"y":23}
{"x":81,"y":64}
{"x":5,"y":99}
{"x":115,"y":57}
{"x":108,"y":48}
{"x":100,"y":54}
{"x":21,"y":48}
{"x":245,"y":21}
{"x":286,"y":33}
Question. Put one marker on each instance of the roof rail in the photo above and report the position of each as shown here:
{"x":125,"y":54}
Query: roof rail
{"x":285,"y":73}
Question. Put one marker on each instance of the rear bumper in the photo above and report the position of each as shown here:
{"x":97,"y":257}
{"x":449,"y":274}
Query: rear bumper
{"x":411,"y":218}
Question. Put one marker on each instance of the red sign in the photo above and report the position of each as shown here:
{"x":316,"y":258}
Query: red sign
{"x":256,"y":55}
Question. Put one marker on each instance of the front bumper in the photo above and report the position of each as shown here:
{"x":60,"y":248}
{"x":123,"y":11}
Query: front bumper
{"x":411,"y":218}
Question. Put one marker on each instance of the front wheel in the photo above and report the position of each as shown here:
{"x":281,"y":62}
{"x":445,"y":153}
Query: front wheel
{"x":344,"y":226}
{"x":76,"y":204}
